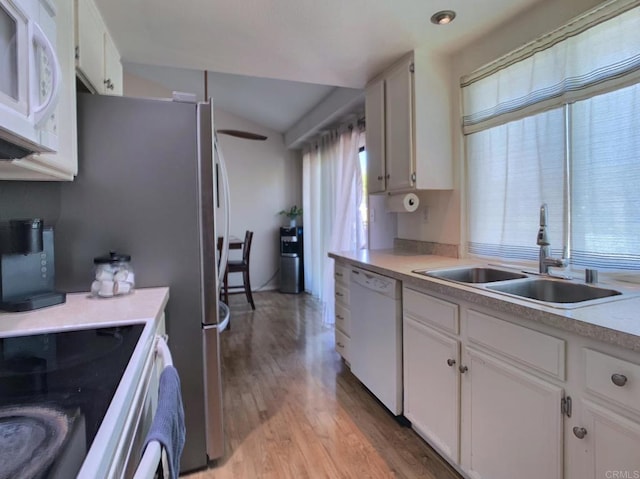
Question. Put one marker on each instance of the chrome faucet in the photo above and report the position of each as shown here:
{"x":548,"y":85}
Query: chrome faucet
{"x":546,"y":260}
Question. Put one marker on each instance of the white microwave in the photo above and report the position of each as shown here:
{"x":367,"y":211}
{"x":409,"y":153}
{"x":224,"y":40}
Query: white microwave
{"x":29,"y":78}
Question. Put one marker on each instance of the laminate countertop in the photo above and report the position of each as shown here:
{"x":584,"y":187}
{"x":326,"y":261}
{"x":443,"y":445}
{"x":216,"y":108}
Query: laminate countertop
{"x":81,"y":310}
{"x":615,"y":321}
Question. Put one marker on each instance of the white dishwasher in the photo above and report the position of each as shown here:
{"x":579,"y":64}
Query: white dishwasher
{"x":376,"y":335}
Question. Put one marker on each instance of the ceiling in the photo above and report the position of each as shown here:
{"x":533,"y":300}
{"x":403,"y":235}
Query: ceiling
{"x":276,"y":104}
{"x":331,"y":43}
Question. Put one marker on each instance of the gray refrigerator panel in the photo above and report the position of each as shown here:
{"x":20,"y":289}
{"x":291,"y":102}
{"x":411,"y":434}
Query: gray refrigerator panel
{"x":211,"y":344}
{"x":137,"y":192}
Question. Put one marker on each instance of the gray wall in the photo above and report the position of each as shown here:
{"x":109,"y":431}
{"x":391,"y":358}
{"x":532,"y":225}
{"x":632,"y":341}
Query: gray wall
{"x":30,"y":199}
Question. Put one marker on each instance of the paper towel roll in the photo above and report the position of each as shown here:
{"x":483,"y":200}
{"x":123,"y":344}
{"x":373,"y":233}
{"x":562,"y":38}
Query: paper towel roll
{"x":407,"y":203}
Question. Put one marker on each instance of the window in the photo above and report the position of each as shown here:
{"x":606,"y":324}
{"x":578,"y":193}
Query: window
{"x":363,"y":210}
{"x":559,"y":124}
{"x":605,"y":197}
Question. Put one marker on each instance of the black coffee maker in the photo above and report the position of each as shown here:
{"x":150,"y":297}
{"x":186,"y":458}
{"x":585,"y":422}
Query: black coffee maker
{"x":27,"y":273}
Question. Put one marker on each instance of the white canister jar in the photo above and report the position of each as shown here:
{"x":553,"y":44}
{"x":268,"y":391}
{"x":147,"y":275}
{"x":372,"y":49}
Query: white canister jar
{"x":114,"y":275}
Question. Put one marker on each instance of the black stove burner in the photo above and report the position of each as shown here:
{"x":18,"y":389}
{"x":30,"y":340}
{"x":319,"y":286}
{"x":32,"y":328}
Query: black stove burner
{"x":30,"y":439}
{"x":76,"y":372}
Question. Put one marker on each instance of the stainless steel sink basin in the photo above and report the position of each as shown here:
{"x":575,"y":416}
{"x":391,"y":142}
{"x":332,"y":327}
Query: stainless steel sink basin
{"x":554,"y":291}
{"x":473,"y":275}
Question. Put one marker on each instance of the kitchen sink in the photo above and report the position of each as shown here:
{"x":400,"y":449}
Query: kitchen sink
{"x":473,"y":275}
{"x":554,"y":291}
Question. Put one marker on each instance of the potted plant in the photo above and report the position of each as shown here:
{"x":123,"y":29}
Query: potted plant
{"x":292,"y":213}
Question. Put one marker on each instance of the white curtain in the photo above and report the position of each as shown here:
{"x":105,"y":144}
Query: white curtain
{"x":331,"y":195}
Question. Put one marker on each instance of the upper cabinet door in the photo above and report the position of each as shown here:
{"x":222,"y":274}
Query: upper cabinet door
{"x":112,"y":68}
{"x":97,"y":60}
{"x":399,"y":123}
{"x":90,"y":43}
{"x":374,"y":117}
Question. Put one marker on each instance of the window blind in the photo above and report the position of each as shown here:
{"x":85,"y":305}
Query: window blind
{"x":558,"y":122}
{"x":514,"y":168}
{"x":606,"y":180}
{"x":570,"y":64}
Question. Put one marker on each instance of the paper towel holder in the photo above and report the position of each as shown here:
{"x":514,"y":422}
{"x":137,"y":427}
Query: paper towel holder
{"x":402,"y":203}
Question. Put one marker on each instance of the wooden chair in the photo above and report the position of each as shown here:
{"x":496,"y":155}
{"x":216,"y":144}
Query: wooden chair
{"x":239,"y":266}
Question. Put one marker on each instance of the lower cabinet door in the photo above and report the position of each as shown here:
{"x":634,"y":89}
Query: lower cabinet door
{"x":609,"y":444}
{"x":512,"y":426}
{"x":432,"y":385}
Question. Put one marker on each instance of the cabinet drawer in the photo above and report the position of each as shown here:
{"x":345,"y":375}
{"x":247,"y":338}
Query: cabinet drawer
{"x":342,"y":345}
{"x":342,"y":294}
{"x":343,"y":319}
{"x":341,"y":274}
{"x":429,"y":310}
{"x":530,"y":348}
{"x":613,"y":379}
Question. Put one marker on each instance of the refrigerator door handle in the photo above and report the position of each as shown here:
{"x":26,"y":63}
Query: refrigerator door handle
{"x":224,"y":254}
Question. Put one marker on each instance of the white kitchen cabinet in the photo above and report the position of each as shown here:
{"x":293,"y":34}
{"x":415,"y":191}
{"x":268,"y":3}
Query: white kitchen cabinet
{"x":432,"y":385}
{"x":609,"y":443}
{"x":605,"y":431}
{"x":97,"y":59}
{"x":398,"y":103}
{"x":409,"y":137}
{"x":62,"y":165}
{"x":374,"y":118}
{"x":512,"y":424}
{"x":342,"y":311}
{"x":112,"y":67}
{"x":475,"y":389}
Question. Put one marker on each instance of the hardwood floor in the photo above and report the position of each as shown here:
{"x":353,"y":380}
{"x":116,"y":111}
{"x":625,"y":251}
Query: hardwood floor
{"x":294,"y":410}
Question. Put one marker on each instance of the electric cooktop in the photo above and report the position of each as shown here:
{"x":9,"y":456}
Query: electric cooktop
{"x":55,"y":389}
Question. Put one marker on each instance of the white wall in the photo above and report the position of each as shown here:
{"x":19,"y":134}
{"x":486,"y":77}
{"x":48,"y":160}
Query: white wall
{"x":445,"y":223}
{"x":264,"y":178}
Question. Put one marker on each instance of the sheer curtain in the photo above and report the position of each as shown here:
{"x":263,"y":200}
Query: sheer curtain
{"x":331,"y":195}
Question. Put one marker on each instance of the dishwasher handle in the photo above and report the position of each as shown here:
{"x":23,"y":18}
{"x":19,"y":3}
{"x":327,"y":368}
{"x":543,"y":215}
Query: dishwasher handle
{"x":376,"y":282}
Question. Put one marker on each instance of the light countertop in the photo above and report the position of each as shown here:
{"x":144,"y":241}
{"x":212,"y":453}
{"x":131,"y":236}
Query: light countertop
{"x":81,"y":310}
{"x":616,"y":321}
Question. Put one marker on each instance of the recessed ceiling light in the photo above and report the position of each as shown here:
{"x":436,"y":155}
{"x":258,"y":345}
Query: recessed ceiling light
{"x":443,"y":17}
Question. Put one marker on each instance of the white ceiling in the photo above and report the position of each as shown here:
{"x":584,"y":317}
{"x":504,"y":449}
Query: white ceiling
{"x":276,"y":104}
{"x":340,"y":43}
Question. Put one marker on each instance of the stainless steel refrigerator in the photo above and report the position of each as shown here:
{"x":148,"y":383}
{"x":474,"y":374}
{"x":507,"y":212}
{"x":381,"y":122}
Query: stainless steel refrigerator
{"x":146,"y":187}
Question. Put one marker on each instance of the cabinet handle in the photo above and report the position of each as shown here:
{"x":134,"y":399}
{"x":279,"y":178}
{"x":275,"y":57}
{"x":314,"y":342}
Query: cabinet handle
{"x":339,"y":344}
{"x":108,"y":84}
{"x":619,"y":379}
{"x":380,"y":178}
{"x":413,"y":177}
{"x":339,"y":275}
{"x":579,"y":432}
{"x":339,"y":294}
{"x":388,"y":176}
{"x":451,"y":362}
{"x":339,"y":317}
{"x":463,"y":369}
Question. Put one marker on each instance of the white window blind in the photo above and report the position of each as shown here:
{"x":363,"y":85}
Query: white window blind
{"x":558,"y":68}
{"x":605,"y":136}
{"x":558,"y":122}
{"x":513,"y":169}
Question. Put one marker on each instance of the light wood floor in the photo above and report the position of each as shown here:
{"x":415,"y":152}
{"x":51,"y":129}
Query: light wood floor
{"x":294,"y":410}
